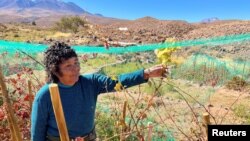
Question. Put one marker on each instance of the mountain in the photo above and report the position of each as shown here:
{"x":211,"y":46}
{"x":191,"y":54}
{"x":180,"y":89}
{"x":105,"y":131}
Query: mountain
{"x":52,"y":5}
{"x":210,"y":20}
{"x":45,"y":12}
{"x":57,"y":5}
{"x":98,"y":14}
{"x":16,"y":4}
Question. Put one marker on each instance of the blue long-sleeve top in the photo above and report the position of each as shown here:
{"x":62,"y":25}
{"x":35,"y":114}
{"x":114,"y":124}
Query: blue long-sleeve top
{"x":78,"y":102}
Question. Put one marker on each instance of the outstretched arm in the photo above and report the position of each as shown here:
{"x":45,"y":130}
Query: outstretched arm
{"x":106,"y":84}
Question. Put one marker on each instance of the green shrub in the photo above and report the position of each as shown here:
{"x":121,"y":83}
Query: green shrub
{"x":16,"y":35}
{"x":70,"y":24}
{"x":242,"y":111}
{"x":105,"y":125}
{"x":237,"y":83}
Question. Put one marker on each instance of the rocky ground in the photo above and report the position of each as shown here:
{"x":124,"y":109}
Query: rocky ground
{"x":150,"y":30}
{"x":141,"y":31}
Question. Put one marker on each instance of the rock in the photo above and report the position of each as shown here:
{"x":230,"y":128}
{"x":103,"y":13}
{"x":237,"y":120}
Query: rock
{"x":136,"y":38}
{"x":109,"y":39}
{"x":210,"y":105}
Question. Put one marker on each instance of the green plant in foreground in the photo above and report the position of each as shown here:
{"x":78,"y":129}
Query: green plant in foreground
{"x":242,"y":111}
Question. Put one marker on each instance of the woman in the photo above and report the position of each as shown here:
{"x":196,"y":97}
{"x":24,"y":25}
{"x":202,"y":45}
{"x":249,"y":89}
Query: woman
{"x":78,"y":94}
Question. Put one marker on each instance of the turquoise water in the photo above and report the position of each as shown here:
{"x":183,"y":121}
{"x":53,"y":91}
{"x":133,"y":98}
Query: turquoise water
{"x":12,"y":47}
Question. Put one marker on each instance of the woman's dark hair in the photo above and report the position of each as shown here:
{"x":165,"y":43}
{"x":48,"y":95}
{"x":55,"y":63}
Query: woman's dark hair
{"x":55,"y":55}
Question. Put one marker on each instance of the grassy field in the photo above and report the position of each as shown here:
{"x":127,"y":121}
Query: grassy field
{"x":31,"y":33}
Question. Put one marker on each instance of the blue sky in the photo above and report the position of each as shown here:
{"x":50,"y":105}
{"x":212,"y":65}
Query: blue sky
{"x":189,"y":10}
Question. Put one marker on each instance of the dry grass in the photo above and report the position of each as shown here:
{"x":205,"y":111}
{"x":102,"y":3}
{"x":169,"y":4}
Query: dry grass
{"x":172,"y":112}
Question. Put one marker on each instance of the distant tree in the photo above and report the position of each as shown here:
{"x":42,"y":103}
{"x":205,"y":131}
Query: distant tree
{"x":33,"y":23}
{"x":70,"y":24}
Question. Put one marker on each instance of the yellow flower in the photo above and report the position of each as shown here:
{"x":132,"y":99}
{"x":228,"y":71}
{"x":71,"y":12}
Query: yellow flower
{"x":164,"y":55}
{"x":113,"y":77}
{"x":118,"y":87}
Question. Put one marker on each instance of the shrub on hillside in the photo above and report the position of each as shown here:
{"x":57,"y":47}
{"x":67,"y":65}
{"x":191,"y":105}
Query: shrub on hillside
{"x":70,"y":24}
{"x":33,"y":23}
{"x":237,"y":83}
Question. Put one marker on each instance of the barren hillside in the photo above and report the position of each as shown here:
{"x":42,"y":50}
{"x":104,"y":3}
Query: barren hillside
{"x":150,"y":30}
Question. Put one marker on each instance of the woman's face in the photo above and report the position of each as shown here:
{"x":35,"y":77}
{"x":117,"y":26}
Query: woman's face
{"x":69,"y":71}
